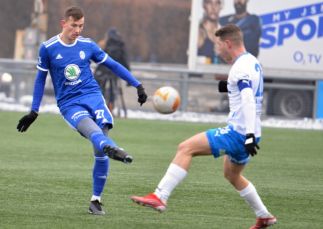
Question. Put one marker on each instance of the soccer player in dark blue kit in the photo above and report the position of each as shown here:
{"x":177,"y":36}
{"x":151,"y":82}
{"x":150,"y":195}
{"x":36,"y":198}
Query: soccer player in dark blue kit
{"x":67,"y":58}
{"x":248,"y":23}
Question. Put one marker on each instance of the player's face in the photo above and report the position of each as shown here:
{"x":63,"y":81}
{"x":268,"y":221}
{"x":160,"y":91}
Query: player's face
{"x":72,"y":28}
{"x":212,"y":9}
{"x":222,"y":49}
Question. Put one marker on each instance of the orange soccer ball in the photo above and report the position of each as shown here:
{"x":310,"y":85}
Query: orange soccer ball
{"x":166,"y":100}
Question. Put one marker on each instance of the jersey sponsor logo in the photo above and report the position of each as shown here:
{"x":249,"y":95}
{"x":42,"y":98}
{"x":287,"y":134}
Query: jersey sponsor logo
{"x":73,"y":82}
{"x":59,"y":56}
{"x":82,"y":55}
{"x":72,"y":72}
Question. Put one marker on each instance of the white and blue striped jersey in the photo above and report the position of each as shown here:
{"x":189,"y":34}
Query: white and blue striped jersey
{"x":69,"y":67}
{"x":246,"y":71}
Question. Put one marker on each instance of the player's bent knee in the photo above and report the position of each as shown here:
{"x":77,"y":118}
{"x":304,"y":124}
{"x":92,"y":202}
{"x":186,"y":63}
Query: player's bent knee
{"x":184,"y":149}
{"x":87,"y":127}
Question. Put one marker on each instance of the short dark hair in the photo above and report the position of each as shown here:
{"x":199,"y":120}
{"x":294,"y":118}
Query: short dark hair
{"x":74,"y":12}
{"x":230,"y":32}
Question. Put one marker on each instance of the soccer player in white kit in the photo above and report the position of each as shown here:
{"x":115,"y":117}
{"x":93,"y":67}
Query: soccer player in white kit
{"x":236,"y":142}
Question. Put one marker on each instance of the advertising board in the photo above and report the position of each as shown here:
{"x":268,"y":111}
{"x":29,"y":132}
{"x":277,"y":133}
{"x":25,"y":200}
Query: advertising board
{"x":290,"y":32}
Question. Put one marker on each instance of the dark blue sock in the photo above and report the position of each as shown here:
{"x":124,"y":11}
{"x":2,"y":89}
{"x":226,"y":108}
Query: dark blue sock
{"x":100,"y":174}
{"x":99,"y":140}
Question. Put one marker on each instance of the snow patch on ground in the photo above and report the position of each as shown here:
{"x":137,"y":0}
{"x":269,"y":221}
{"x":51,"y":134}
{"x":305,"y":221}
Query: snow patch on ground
{"x":305,"y":123}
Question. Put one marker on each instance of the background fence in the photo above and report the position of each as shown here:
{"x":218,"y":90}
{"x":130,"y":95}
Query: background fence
{"x":198,"y":90}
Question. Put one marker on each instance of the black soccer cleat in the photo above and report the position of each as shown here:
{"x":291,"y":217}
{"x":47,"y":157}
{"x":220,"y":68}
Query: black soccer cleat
{"x":96,"y":208}
{"x":117,"y":154}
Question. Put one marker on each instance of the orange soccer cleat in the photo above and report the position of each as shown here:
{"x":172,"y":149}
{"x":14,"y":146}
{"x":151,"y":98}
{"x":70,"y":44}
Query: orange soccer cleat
{"x":150,"y":200}
{"x":264,"y":222}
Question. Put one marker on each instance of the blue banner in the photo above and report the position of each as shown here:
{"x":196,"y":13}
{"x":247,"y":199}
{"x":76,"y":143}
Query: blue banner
{"x":291,"y":14}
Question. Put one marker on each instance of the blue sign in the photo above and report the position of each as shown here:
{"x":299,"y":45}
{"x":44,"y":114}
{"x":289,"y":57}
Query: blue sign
{"x":279,"y":26}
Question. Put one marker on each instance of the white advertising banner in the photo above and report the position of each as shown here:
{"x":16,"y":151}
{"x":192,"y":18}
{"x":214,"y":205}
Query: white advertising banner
{"x":291,"y":32}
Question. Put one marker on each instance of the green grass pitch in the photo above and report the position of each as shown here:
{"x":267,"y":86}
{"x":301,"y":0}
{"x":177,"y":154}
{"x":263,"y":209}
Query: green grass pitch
{"x":45,"y":178}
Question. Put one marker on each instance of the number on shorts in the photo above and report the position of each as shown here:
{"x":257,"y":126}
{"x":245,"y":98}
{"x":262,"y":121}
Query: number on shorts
{"x":99,"y":114}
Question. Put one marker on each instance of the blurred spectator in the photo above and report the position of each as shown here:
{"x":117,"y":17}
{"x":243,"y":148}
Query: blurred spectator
{"x":208,"y":25}
{"x":248,"y":23}
{"x":114,"y":45}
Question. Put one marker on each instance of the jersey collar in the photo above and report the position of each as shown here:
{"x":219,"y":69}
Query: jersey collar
{"x":66,"y":45}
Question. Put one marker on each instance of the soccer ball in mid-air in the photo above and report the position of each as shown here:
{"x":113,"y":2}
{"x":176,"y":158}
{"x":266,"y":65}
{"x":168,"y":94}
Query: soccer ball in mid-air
{"x":166,"y":100}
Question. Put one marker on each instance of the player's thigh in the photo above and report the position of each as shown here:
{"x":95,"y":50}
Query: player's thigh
{"x":195,"y":145}
{"x":99,"y":111}
{"x":74,"y":114}
{"x":227,"y":141}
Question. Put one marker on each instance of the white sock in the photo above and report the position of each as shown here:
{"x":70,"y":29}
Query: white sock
{"x":96,"y":198}
{"x":251,"y":196}
{"x":173,"y":176}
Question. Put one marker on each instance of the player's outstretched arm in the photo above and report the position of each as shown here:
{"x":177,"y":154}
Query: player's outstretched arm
{"x":121,"y":71}
{"x":39,"y":86}
{"x":124,"y":74}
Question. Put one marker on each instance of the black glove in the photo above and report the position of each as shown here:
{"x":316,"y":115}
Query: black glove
{"x":142,"y":96}
{"x":26,"y":121}
{"x":223,"y":86}
{"x":251,"y":144}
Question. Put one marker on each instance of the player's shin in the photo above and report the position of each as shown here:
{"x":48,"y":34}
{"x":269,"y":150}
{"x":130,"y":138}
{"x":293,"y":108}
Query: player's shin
{"x":174,"y":175}
{"x":100,"y":173}
{"x":251,"y":196}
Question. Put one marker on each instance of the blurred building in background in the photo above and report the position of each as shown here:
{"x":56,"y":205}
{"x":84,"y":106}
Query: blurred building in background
{"x":155,"y":31}
{"x":160,"y":36}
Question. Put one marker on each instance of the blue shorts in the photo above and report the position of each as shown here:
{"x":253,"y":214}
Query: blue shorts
{"x":227,"y":141}
{"x":92,"y":106}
